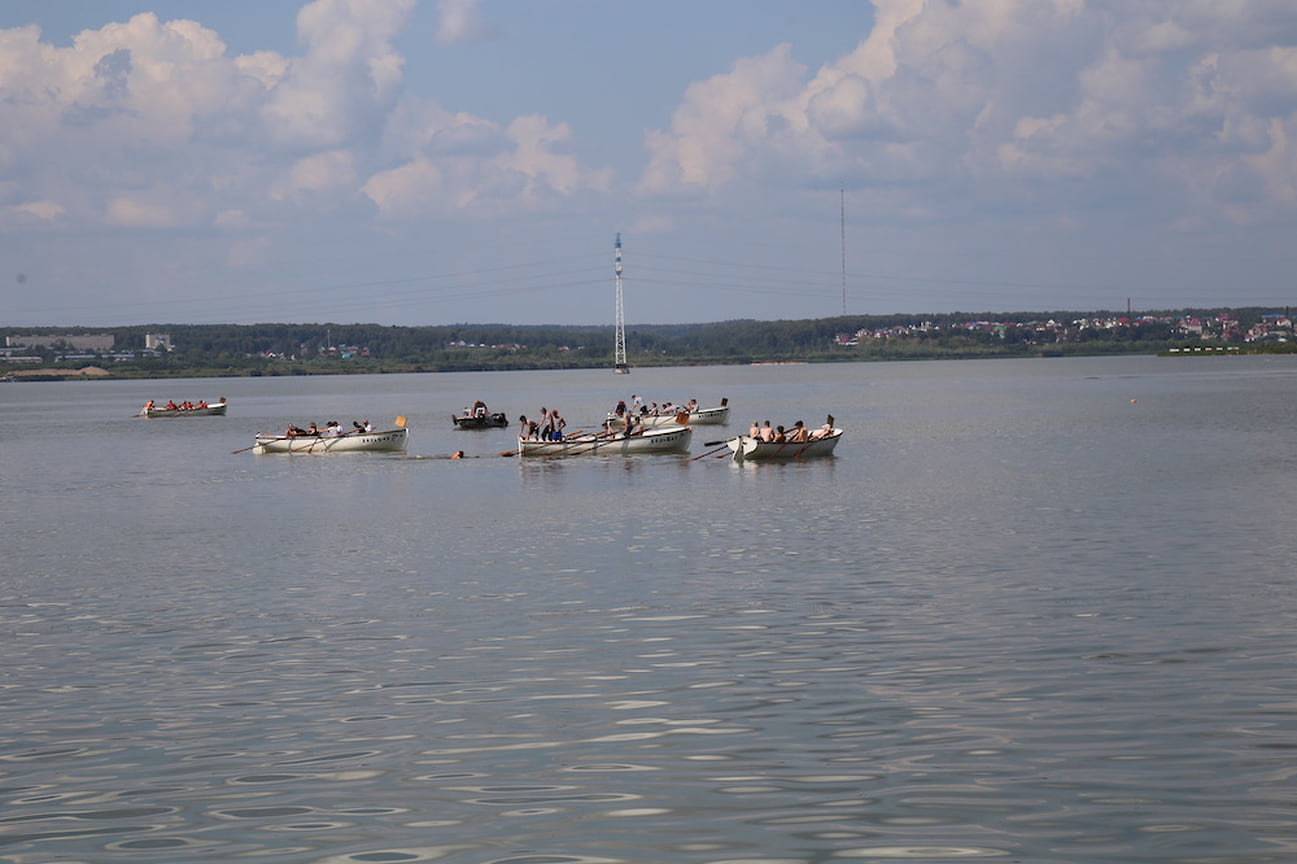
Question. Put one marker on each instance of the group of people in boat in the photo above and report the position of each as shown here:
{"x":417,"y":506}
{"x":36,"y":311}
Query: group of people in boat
{"x":332,"y":429}
{"x":798,"y":433}
{"x":172,"y":406}
{"x":549,"y":426}
{"x":637,"y":408}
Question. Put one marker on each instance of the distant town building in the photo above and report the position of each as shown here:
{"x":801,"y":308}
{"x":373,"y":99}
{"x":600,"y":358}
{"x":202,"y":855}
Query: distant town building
{"x":157,"y":342}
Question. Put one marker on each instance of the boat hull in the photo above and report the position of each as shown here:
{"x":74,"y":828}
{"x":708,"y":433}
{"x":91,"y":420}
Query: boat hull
{"x":390,"y":441}
{"x":654,"y":441}
{"x":718,"y":416}
{"x":497,"y":420}
{"x":216,"y":410}
{"x":746,"y":448}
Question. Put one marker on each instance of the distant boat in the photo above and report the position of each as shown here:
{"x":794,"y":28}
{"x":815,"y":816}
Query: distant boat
{"x":201,"y":409}
{"x":717,"y":415}
{"x":672,"y":440}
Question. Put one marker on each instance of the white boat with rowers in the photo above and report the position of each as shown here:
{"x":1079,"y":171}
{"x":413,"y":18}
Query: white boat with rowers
{"x":193,"y":409}
{"x":717,"y":415}
{"x":387,"y":441}
{"x":745,"y":447}
{"x":673,"y":439}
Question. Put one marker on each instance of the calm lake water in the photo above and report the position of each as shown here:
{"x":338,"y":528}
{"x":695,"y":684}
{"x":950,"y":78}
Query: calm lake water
{"x":1033,"y":611}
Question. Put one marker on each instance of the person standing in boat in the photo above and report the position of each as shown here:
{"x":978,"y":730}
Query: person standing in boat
{"x":556,"y":426}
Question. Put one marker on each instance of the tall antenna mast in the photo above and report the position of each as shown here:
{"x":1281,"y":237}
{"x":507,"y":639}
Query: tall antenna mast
{"x":842,"y":204}
{"x":619,"y":348}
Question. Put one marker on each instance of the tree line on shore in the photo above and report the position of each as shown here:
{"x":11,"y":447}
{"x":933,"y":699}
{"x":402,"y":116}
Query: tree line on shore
{"x":303,"y":349}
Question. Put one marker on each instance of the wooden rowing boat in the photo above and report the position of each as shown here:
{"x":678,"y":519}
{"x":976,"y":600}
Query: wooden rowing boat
{"x":389,"y":441}
{"x":674,"y":439}
{"x":717,"y":415}
{"x":215,"y":409}
{"x":745,"y":447}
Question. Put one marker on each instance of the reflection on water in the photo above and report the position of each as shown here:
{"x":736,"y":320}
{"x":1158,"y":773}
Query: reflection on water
{"x":1016,"y":617}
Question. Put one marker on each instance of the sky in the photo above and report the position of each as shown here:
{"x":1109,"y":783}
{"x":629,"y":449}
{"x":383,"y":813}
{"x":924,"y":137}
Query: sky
{"x":413,"y":162}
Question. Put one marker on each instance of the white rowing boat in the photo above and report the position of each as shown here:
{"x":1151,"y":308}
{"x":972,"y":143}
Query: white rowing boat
{"x":717,"y":415}
{"x":745,"y":447}
{"x":215,"y":409}
{"x":674,"y":439}
{"x":390,"y":441}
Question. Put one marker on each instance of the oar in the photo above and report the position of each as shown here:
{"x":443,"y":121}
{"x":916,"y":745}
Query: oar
{"x":259,"y":443}
{"x":723,"y":446}
{"x":591,"y":443}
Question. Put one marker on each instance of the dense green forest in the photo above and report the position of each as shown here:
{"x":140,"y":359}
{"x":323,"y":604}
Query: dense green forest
{"x":166,"y":350}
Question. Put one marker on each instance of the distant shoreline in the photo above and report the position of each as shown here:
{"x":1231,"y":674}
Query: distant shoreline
{"x":283,"y":350}
{"x":99,"y":373}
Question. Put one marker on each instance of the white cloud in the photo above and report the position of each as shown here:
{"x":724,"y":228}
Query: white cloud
{"x":1171,"y":96}
{"x":318,"y":173}
{"x":405,"y":191}
{"x":456,"y":163}
{"x":546,"y":171}
{"x":231,"y":219}
{"x":151,"y":123}
{"x":720,"y":122}
{"x":349,"y":77}
{"x":135,"y":213}
{"x":140,"y":105}
{"x":39,"y":211}
{"x":460,"y":21}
